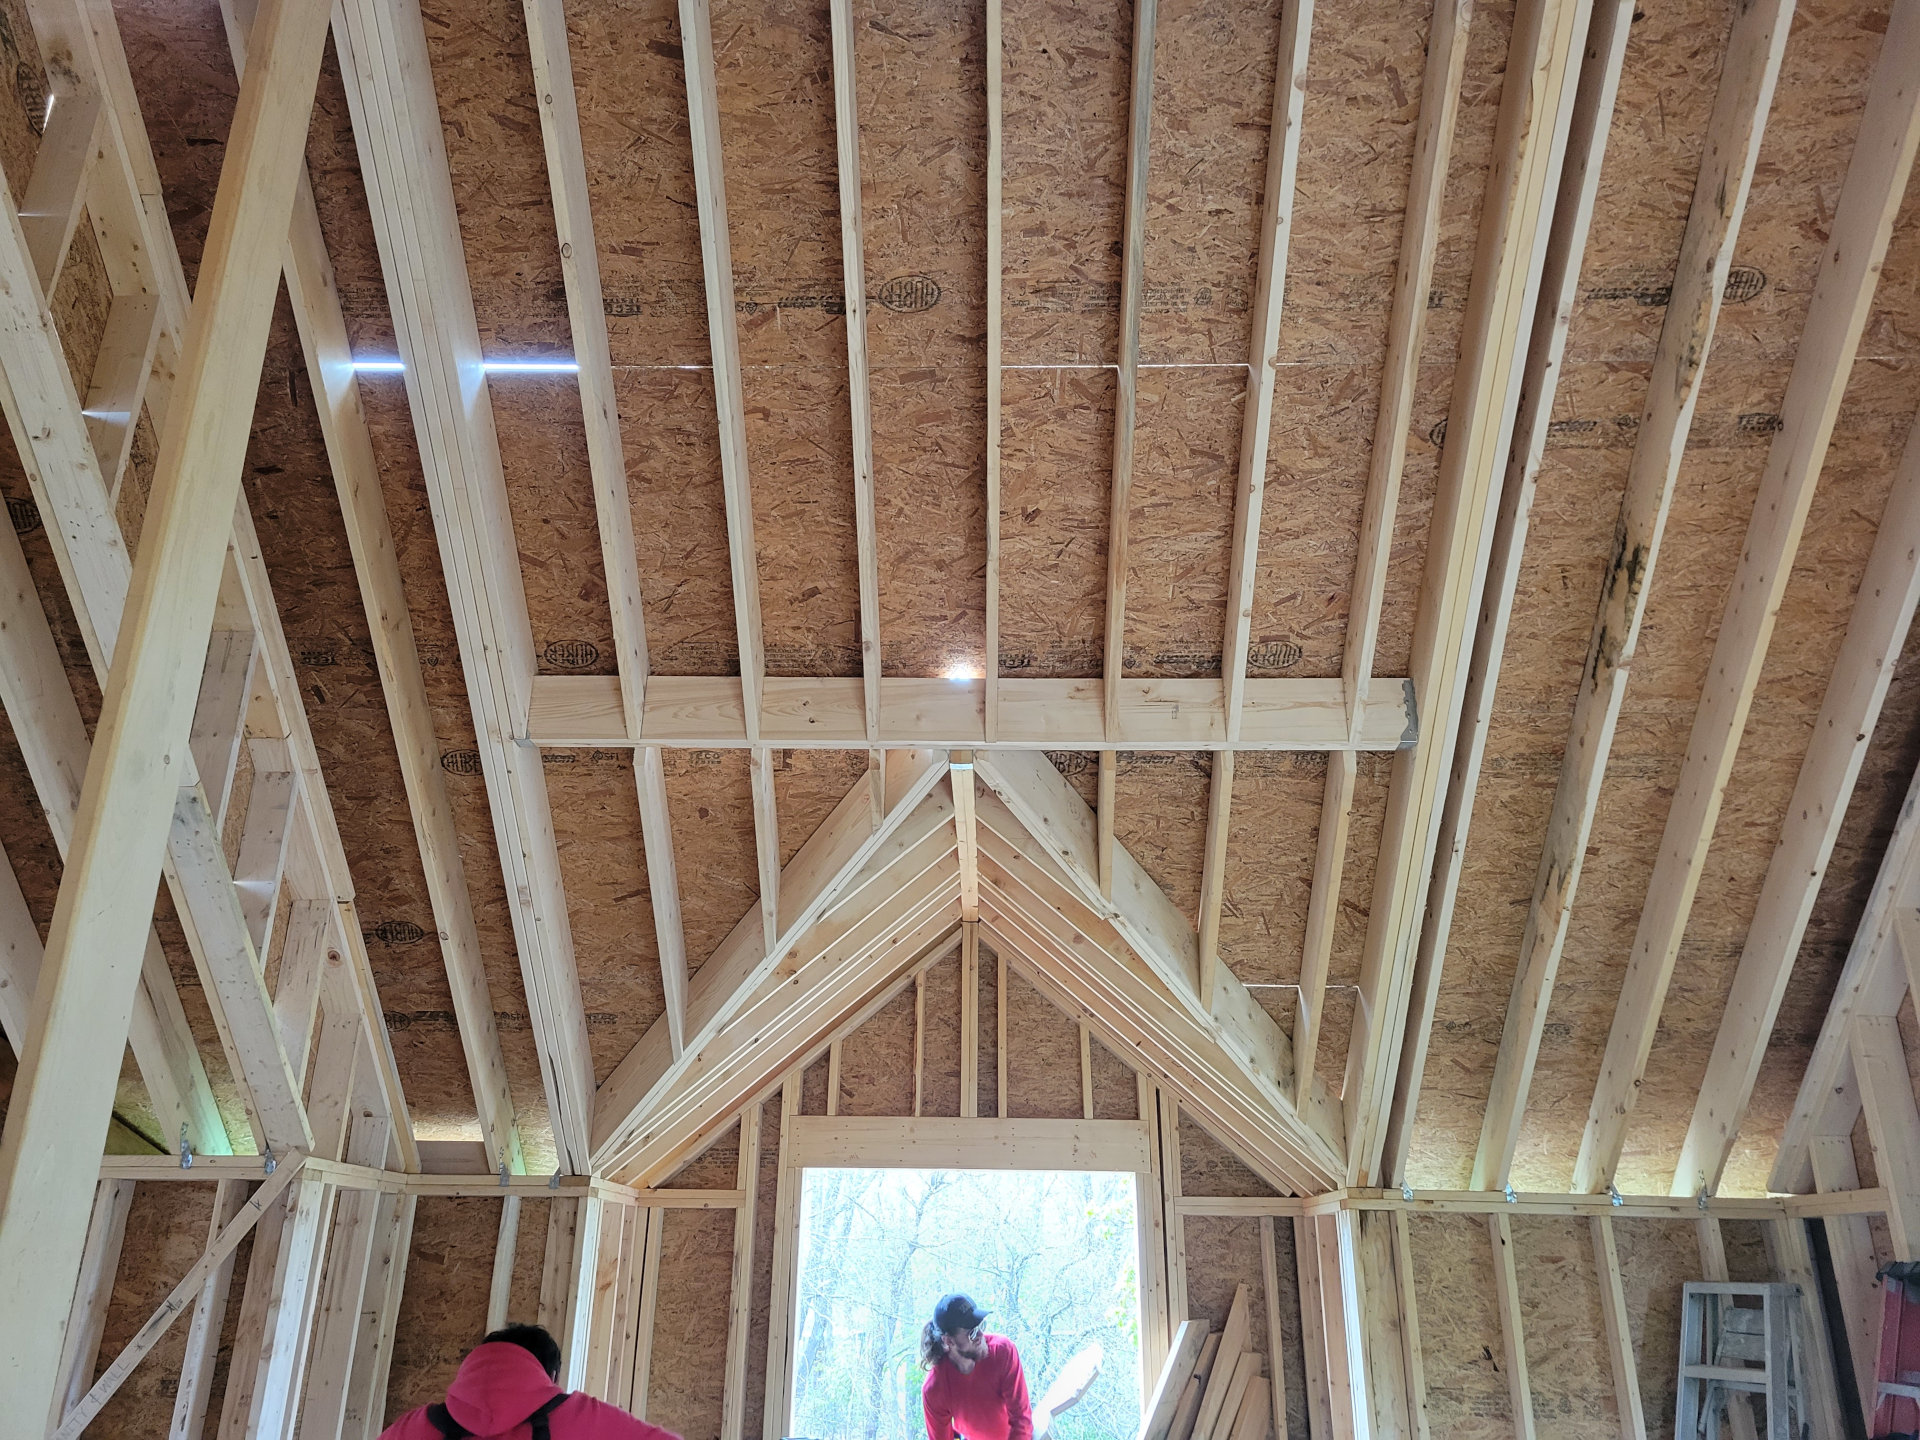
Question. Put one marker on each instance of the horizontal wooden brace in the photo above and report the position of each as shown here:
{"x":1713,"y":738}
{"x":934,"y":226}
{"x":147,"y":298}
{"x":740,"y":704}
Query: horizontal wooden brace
{"x":1491,"y":1202}
{"x":886,"y":1142}
{"x":812,"y":712}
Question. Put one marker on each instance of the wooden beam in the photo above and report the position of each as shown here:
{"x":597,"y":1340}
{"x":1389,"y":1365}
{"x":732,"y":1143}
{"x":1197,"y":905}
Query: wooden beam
{"x":716,"y":254}
{"x":338,"y":1329}
{"x":996,"y":223}
{"x":1159,"y":1326}
{"x":506,"y":1242}
{"x":766,"y":843}
{"x":82,"y":1006}
{"x":1323,"y":917}
{"x":1313,"y":1337}
{"x":704,"y":712}
{"x":57,"y":190}
{"x":1106,"y":801}
{"x":1165,"y":1133}
{"x":1604,"y":49}
{"x":396,"y":122}
{"x":1133,"y":294}
{"x":1529,"y":141}
{"x":960,"y":778}
{"x":1000,"y":1034}
{"x":733,"y":1389}
{"x":386,"y":1281}
{"x":1862,"y":670}
{"x":853,"y":272}
{"x":1893,"y":1125}
{"x":1619,"y":1327}
{"x":1791,"y":1257}
{"x":1506,"y":1289}
{"x":1263,"y":346}
{"x":663,"y":885}
{"x":1276,"y":1343}
{"x":1440,"y":91}
{"x":935,"y":1143}
{"x":1413,"y":1352}
{"x":1855,"y":1268}
{"x":777,"y":1401}
{"x":1754,"y":48}
{"x":1842,"y":299}
{"x":1213,"y":871}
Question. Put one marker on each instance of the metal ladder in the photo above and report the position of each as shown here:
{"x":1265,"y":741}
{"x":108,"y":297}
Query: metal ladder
{"x":1740,"y":1339}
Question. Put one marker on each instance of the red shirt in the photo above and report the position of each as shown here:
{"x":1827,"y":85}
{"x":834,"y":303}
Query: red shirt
{"x":500,"y":1385}
{"x":989,"y":1402}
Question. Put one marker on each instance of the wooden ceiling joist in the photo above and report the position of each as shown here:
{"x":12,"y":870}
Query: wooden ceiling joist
{"x":828,"y":713}
{"x":396,"y":124}
{"x":1529,"y":141}
{"x":1842,"y":300}
{"x":1133,"y":288}
{"x":606,"y":463}
{"x":1862,"y":670}
{"x":1754,"y":47}
{"x":1603,"y":53}
{"x":64,"y":1090}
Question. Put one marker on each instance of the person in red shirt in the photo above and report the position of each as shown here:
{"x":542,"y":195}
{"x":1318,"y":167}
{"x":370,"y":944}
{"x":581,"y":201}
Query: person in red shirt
{"x":975,"y":1387}
{"x":507,"y":1388}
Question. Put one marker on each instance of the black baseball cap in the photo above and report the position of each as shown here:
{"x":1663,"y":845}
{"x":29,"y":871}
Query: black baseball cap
{"x":957,"y":1312}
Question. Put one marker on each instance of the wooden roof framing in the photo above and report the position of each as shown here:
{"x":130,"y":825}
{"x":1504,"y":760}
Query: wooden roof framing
{"x":1054,"y":808}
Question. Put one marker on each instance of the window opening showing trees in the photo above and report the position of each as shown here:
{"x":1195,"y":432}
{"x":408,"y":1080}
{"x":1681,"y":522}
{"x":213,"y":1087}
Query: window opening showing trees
{"x":1052,"y":1254}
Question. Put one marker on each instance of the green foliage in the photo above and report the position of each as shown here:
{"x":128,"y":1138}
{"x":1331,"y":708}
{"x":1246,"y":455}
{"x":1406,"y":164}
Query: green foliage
{"x":1051,"y":1253}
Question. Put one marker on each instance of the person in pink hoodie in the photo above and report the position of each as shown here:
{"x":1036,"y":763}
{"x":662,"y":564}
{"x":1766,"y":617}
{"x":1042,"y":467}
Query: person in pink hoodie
{"x":507,"y":1389}
{"x":975,"y":1387}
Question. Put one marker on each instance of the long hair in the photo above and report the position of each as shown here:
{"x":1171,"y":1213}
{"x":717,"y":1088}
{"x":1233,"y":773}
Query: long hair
{"x":933,"y":1347}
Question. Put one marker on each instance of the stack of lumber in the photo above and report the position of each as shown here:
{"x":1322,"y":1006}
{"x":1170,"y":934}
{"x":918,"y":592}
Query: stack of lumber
{"x":1213,"y":1387}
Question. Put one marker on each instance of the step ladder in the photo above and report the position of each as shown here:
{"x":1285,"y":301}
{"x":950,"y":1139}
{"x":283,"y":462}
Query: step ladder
{"x":1739,"y":1339}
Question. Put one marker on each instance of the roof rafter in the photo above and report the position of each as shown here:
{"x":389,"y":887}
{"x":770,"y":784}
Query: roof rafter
{"x":1882,"y":612}
{"x":396,"y":124}
{"x":847,"y":847}
{"x":1603,"y":53}
{"x":1842,"y":299}
{"x":1754,"y":47}
{"x":1529,"y":140}
{"x":1133,"y":286}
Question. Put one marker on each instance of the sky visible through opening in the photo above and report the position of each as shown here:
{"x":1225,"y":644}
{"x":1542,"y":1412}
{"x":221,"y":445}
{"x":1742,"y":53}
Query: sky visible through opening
{"x":1052,"y":1254}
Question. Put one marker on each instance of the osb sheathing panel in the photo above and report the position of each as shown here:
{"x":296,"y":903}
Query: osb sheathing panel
{"x":529,"y":1261}
{"x":1223,"y":1254}
{"x":1467,"y":1395}
{"x":1272,"y":835}
{"x":1116,"y":1090}
{"x":1569,"y":1368}
{"x":1646,"y":186}
{"x":1160,"y":815}
{"x":1208,"y":1167}
{"x":1363,"y":94}
{"x":596,"y":822}
{"x":876,"y":1062}
{"x":923,"y":183}
{"x":807,"y":784}
{"x":989,"y":1092}
{"x":1180,"y":519}
{"x":443,"y":1309}
{"x":1803,"y":158}
{"x":1066,"y":74}
{"x":1043,"y":1055}
{"x":940,"y":1055}
{"x":717,"y":1167}
{"x":710,"y":799}
{"x":1657,"y":1257}
{"x":690,"y":1320}
{"x":166,"y":1231}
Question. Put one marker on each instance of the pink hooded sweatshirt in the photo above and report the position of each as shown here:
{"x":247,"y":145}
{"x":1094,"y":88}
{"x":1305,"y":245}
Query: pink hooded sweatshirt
{"x":500,"y":1385}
